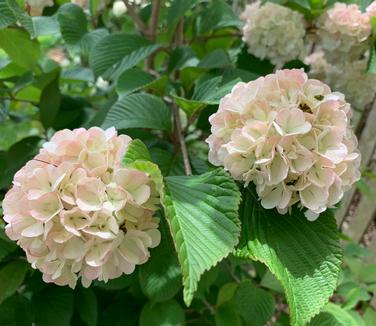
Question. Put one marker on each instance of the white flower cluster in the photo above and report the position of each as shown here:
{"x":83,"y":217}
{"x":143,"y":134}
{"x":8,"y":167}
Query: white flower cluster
{"x":274,"y":32}
{"x":77,"y":212}
{"x":290,"y":136}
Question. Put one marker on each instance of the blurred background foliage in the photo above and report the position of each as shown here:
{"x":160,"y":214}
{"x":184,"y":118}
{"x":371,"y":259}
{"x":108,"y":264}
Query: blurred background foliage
{"x":76,"y":67}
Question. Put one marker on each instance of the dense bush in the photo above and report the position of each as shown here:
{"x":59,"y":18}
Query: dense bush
{"x":150,"y":174}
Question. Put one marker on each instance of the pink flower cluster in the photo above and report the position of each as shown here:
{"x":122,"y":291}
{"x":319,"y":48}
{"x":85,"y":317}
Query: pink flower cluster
{"x":290,"y":136}
{"x":77,"y":212}
{"x":344,"y":32}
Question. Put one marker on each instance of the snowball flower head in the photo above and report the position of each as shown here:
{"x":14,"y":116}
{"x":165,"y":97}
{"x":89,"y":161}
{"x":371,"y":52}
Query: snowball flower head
{"x":318,"y":65}
{"x":274,"y":32}
{"x":77,"y":212}
{"x":289,"y":135}
{"x":344,"y":32}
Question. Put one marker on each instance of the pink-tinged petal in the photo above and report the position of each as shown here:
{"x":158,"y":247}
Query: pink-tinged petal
{"x":155,"y":236}
{"x":15,"y":201}
{"x":277,"y":170}
{"x":46,"y":207}
{"x":275,"y":196}
{"x":104,"y":226}
{"x":314,"y":197}
{"x":320,"y":175}
{"x":133,"y":250}
{"x":116,"y":197}
{"x":74,"y":249}
{"x":90,"y":194}
{"x":75,"y":220}
{"x":33,"y":230}
{"x":291,"y":122}
{"x":98,"y":253}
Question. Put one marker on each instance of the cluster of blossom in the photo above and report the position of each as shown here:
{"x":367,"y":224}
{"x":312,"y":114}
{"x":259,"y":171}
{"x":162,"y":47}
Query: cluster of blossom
{"x":290,"y":136}
{"x":344,"y":32}
{"x":274,"y":32}
{"x":343,"y":36}
{"x":77,"y":212}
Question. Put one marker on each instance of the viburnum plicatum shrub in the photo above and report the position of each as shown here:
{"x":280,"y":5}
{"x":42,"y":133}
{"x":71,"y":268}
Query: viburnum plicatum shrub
{"x":290,"y":136}
{"x":179,"y":153}
{"x":77,"y":213}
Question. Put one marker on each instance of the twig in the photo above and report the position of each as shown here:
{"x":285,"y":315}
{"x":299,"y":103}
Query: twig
{"x":153,"y":31}
{"x":179,"y":39}
{"x":180,"y":136}
{"x":140,"y":25}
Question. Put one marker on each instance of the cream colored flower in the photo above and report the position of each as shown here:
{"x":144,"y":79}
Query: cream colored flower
{"x":290,"y":136}
{"x":274,"y":32}
{"x":344,"y":33}
{"x":78,"y":213}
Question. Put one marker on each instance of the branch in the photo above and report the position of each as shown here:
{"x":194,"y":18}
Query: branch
{"x":152,"y":33}
{"x":179,"y":39}
{"x":140,"y":25}
{"x":180,"y":136}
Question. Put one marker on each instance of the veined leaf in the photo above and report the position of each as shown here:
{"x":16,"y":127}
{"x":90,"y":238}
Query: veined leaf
{"x":133,"y":80}
{"x":203,"y":221}
{"x":87,"y":306}
{"x":177,"y":10}
{"x":139,"y":111}
{"x":6,"y":14}
{"x":117,"y":52}
{"x":304,"y":256}
{"x":334,"y":315}
{"x":73,"y":25}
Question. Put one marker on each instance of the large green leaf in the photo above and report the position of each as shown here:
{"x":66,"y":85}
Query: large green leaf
{"x":114,"y":53}
{"x":12,"y":40}
{"x":139,"y":111}
{"x":12,"y":276}
{"x":73,"y":25}
{"x":133,"y":80}
{"x":202,"y":212}
{"x":304,"y":256}
{"x":6,"y":246}
{"x":53,"y":306}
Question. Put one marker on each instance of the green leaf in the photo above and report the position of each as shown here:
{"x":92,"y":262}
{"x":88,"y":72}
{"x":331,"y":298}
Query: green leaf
{"x":354,"y":296}
{"x":139,"y":111}
{"x":333,"y":315}
{"x":12,"y":275}
{"x":206,"y":93}
{"x":50,"y":101}
{"x":226,"y":293}
{"x":160,"y":279}
{"x":136,"y":151}
{"x":86,"y":305}
{"x":6,"y":14}
{"x":73,"y":24}
{"x":369,"y":316}
{"x":218,"y":15}
{"x":368,"y":274}
{"x":254,"y":305}
{"x":6,"y":246}
{"x":203,"y":221}
{"x":226,"y":315}
{"x":133,"y":80}
{"x":371,"y":67}
{"x":53,"y":306}
{"x":304,"y":256}
{"x":16,"y":311}
{"x":216,"y":59}
{"x":117,"y":52}
{"x":177,"y":10}
{"x":12,"y":40}
{"x":167,"y":313}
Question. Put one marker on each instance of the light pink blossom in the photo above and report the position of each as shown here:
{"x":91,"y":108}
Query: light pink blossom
{"x":344,"y":32}
{"x":290,"y":136}
{"x":77,"y":212}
